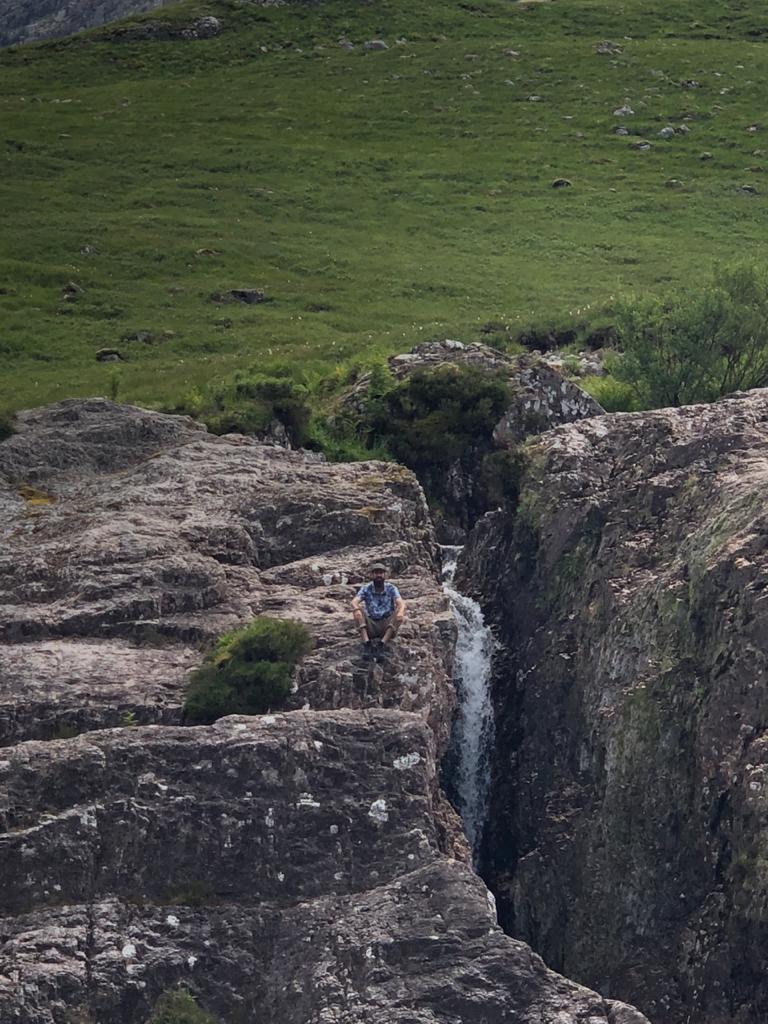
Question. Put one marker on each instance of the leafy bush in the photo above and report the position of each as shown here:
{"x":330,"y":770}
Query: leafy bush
{"x":179,"y":1007}
{"x":248,"y":672}
{"x":696,"y":345}
{"x":248,"y":403}
{"x":614,"y":395}
{"x":433,"y":417}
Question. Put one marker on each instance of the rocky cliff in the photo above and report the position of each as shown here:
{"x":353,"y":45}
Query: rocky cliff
{"x":627,"y":841}
{"x":295,"y":867}
{"x":27,"y":21}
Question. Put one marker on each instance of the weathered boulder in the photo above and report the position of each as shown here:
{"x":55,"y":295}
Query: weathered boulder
{"x":290,"y":867}
{"x":630,"y":797}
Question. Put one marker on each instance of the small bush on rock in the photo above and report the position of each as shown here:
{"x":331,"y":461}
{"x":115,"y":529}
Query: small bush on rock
{"x":248,"y":672}
{"x":250,"y":403}
{"x":179,"y":1007}
{"x":433,"y":417}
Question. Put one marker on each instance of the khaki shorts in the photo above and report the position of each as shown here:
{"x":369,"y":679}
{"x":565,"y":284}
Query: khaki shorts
{"x":378,"y":627}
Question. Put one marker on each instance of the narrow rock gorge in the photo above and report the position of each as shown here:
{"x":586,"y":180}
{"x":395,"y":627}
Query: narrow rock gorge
{"x":627,"y":589}
{"x":294,"y":867}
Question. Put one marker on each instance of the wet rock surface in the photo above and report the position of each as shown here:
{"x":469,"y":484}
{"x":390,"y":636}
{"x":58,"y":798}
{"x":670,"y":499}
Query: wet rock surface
{"x":629,"y":811}
{"x":295,"y":867}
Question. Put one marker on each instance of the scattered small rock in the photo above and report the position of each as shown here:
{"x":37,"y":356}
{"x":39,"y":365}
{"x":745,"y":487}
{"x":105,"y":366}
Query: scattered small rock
{"x":371,"y":45}
{"x":642,"y":146}
{"x":71,"y":290}
{"x":145,"y":337}
{"x":748,"y":190}
{"x":621,"y":130}
{"x":673,"y":183}
{"x":667,"y":132}
{"x":706,"y":155}
{"x":514,"y":54}
{"x":203,"y":28}
{"x":606,"y":48}
{"x":683,"y":129}
{"x":690,"y":83}
{"x":562,"y":183}
{"x":88,"y":250}
{"x":535,"y":99}
{"x":624,"y":111}
{"x":753,"y":129}
{"x":109,"y":355}
{"x":346,"y":44}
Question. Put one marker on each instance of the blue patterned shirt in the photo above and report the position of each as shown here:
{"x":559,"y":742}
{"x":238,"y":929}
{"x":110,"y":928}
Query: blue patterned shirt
{"x":378,"y":604}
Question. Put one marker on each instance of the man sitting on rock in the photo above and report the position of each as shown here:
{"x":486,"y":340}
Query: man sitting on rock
{"x":379,"y":611}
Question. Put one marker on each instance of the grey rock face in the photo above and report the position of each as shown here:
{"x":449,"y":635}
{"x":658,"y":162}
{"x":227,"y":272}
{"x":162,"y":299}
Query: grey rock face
{"x":630,"y":806}
{"x":26,"y":21}
{"x":290,"y":867}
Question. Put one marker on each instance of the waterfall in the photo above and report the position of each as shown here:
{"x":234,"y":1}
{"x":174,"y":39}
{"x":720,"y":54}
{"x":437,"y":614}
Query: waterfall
{"x":473,"y":730}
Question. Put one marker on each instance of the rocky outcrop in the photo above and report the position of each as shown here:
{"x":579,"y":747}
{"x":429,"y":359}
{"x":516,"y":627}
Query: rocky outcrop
{"x":295,"y":867}
{"x":27,"y":21}
{"x":630,"y":797}
{"x":540,"y":398}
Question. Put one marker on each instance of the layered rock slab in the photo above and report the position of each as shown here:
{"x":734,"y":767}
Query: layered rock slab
{"x":310,"y":837}
{"x":131,"y":539}
{"x":294,"y":867}
{"x":629,"y":806}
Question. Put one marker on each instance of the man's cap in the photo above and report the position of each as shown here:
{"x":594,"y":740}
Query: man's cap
{"x":378,"y":567}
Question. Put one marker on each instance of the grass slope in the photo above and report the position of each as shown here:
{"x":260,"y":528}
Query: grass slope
{"x":378,"y":198}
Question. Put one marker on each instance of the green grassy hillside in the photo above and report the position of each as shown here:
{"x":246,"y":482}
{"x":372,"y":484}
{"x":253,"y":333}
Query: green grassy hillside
{"x":376,"y":198}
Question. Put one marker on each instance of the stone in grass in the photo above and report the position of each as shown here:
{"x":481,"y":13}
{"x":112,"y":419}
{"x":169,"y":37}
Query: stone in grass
{"x":673,"y":183}
{"x":535,"y":99}
{"x":642,"y":146}
{"x":145,"y":337}
{"x":690,"y":83}
{"x":372,"y":45}
{"x":562,"y":183}
{"x":346,"y":44}
{"x":623,"y":111}
{"x":249,"y":296}
{"x":621,"y":130}
{"x":706,"y":155}
{"x":606,"y":48}
{"x":748,"y":190}
{"x":109,"y":355}
{"x":71,"y":290}
{"x":667,"y":132}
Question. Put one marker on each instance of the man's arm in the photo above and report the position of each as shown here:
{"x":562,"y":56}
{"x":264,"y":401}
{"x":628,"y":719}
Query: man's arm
{"x":400,"y":607}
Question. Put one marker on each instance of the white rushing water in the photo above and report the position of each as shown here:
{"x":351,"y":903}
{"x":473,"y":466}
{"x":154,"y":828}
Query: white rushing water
{"x":473,"y":731}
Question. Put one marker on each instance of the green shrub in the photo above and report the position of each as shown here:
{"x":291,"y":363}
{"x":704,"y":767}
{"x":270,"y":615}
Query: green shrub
{"x":179,"y":1007}
{"x":614,"y":395}
{"x":248,"y":403}
{"x":433,"y":417}
{"x":248,"y":672}
{"x":699,"y":344}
